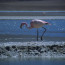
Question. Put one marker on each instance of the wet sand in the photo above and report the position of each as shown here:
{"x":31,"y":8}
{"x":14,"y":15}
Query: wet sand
{"x":33,"y":5}
{"x":26,"y":38}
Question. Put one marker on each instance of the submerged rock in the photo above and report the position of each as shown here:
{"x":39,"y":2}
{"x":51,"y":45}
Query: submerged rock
{"x":7,"y":48}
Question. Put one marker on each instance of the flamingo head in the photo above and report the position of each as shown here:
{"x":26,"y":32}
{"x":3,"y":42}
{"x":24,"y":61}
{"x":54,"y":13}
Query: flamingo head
{"x":22,"y":24}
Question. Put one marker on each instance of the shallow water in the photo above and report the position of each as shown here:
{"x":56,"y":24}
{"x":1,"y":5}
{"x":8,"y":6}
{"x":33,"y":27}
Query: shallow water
{"x":36,"y":61}
{"x":57,"y":29}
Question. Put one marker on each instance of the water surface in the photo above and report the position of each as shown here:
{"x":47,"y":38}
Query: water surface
{"x":19,"y":46}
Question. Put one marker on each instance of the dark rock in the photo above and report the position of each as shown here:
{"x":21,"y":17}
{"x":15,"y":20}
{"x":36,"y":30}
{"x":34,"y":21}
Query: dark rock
{"x":7,"y":48}
{"x":33,"y":48}
{"x":54,"y":50}
{"x":36,"y":53}
{"x":41,"y":51}
{"x":63,"y":53}
{"x":38,"y":48}
{"x":13,"y":47}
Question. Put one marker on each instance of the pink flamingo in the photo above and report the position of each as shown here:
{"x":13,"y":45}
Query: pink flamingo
{"x":36,"y":24}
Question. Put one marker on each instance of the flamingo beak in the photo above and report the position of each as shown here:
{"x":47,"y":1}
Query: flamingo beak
{"x":47,"y":23}
{"x":21,"y":26}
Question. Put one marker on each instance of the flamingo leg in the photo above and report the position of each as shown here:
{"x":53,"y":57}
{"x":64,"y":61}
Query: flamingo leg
{"x":43,"y":33}
{"x":37,"y":34}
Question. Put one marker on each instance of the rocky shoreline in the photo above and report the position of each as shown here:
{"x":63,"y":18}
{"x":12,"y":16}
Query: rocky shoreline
{"x":33,"y":50}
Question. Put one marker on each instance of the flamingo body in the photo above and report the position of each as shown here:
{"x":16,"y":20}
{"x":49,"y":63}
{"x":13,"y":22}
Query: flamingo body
{"x":34,"y":24}
{"x":37,"y":23}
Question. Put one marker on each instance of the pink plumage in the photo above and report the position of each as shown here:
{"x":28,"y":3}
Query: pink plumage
{"x":35,"y":24}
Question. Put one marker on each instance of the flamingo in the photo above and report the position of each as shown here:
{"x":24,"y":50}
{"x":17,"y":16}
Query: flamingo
{"x":36,"y":24}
